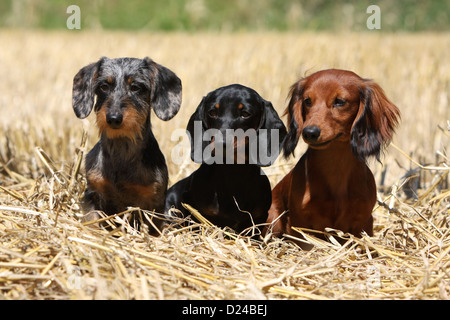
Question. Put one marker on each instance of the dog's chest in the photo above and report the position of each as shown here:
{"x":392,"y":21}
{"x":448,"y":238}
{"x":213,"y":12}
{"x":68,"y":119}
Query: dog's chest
{"x":220,"y":198}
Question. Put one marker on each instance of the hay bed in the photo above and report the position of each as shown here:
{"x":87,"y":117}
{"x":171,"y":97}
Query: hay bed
{"x":46,"y":252}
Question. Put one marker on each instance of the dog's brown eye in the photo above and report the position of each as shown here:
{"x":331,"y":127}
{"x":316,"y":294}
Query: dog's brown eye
{"x":135,"y":88}
{"x":245,"y":114}
{"x":213,"y":113}
{"x":104,"y":87}
{"x":307,"y":102}
{"x":339,"y":102}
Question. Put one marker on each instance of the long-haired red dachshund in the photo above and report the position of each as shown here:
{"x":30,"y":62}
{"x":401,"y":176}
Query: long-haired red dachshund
{"x":344,"y":119}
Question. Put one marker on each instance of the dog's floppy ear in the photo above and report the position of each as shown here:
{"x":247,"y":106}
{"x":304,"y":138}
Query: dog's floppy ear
{"x":295,"y":117}
{"x":83,"y":91}
{"x":166,"y":90}
{"x":195,"y":129}
{"x":375,"y":122}
{"x":271,"y":134}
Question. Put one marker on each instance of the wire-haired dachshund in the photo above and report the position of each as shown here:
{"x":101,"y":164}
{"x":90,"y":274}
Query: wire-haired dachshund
{"x":231,"y":132}
{"x":126,"y":168}
{"x":344,"y":119}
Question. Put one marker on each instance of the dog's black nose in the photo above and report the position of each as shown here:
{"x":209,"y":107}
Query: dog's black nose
{"x":311,"y":133}
{"x":114,"y":120}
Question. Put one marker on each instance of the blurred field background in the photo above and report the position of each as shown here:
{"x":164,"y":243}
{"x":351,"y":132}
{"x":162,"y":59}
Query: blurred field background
{"x":264,"y":45}
{"x":232,"y":15}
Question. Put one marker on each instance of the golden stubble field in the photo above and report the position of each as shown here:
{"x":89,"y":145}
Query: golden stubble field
{"x":47,"y":253}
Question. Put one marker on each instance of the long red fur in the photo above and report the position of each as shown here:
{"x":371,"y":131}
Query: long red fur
{"x":331,"y":186}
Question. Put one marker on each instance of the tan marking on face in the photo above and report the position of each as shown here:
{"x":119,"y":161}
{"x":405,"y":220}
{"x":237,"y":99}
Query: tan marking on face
{"x":132,"y":125}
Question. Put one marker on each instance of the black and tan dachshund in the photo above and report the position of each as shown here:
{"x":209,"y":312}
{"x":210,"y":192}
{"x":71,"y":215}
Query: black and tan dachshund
{"x":126,"y":168}
{"x":233,"y":133}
